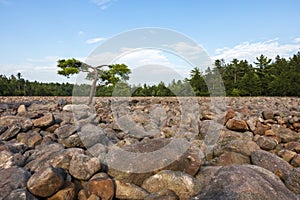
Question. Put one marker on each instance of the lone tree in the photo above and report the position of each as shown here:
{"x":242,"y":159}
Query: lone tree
{"x":106,"y":74}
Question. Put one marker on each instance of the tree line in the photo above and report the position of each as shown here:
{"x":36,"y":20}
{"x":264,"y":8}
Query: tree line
{"x":265,"y":77}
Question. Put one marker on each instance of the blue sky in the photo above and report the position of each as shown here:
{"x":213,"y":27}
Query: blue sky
{"x":36,"y":33}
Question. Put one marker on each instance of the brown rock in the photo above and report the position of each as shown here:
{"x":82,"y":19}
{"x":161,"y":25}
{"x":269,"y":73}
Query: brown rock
{"x":268,"y":114}
{"x":186,"y":186}
{"x":293,"y":146}
{"x":129,"y":191}
{"x":9,"y":120}
{"x":266,"y":143}
{"x":260,"y":129}
{"x":83,"y":167}
{"x":287,"y":155}
{"x":269,"y":133}
{"x":272,"y":163}
{"x":296,"y":161}
{"x":285,"y":134}
{"x":67,"y":192}
{"x":229,"y":115}
{"x":20,"y":194}
{"x":45,"y":121}
{"x":46,"y":182}
{"x":21,"y":110}
{"x":237,"y":125}
{"x":206,"y":174}
{"x":30,"y":138}
{"x":230,"y":158}
{"x":101,"y":188}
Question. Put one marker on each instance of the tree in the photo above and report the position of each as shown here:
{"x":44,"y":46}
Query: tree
{"x":106,"y":74}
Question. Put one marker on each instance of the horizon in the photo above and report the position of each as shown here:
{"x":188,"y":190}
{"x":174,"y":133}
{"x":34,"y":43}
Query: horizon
{"x":33,"y":38}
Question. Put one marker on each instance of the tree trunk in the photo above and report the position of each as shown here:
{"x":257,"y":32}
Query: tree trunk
{"x":93,"y":88}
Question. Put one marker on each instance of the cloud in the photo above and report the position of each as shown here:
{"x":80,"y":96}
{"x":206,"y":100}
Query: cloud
{"x":250,"y":51}
{"x":103,"y":4}
{"x":297,"y":39}
{"x":95,"y":40}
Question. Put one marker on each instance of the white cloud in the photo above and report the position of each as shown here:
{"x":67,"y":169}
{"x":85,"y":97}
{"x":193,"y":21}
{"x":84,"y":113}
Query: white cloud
{"x":250,"y":51}
{"x":103,"y":4}
{"x":297,"y":39}
{"x":95,"y":40}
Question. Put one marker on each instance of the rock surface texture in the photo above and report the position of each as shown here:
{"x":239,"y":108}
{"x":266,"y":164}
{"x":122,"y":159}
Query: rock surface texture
{"x":150,"y":148}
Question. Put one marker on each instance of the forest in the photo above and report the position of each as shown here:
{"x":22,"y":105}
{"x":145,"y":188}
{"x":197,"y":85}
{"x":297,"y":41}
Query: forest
{"x":264,"y":77}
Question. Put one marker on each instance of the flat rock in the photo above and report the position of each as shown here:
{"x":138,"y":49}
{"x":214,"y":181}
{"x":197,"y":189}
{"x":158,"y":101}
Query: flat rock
{"x":11,"y":132}
{"x":46,"y":181}
{"x":245,"y":182}
{"x":271,"y":162}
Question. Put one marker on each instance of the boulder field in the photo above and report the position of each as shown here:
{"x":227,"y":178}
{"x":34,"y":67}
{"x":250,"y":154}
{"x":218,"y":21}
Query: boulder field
{"x":58,"y":148}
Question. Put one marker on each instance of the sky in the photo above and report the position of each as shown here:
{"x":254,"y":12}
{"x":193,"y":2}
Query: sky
{"x":34,"y":34}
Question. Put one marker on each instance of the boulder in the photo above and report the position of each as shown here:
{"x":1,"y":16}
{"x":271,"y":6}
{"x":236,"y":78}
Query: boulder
{"x":46,"y":181}
{"x":10,"y":120}
{"x":21,"y":110}
{"x":245,"y":182}
{"x":84,"y":167}
{"x":272,"y":163}
{"x":20,"y":194}
{"x":67,"y":192}
{"x":129,"y":191}
{"x":136,"y":162}
{"x":45,"y":121}
{"x":186,"y":186}
{"x":103,"y":188}
{"x":237,"y":125}
{"x":164,"y":194}
{"x":11,"y":132}
{"x":267,"y":114}
{"x":266,"y":143}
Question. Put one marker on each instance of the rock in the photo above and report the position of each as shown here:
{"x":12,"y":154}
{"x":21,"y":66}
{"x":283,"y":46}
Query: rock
{"x":229,"y":115}
{"x":30,"y":138}
{"x":11,"y":179}
{"x":285,"y":134}
{"x":272,"y":163}
{"x":129,"y":191}
{"x":244,"y":147}
{"x":83,"y":167}
{"x":287,"y":155}
{"x":21,"y":110}
{"x":266,"y":143}
{"x":245,"y":182}
{"x":296,"y":161}
{"x":165,"y":194}
{"x":293,"y":181}
{"x":9,"y":121}
{"x":230,"y":158}
{"x":45,"y":121}
{"x":67,"y":192}
{"x":63,"y":159}
{"x":101,"y":188}
{"x":267,"y":114}
{"x":176,"y":155}
{"x":11,"y":132}
{"x":237,"y":125}
{"x":269,"y":133}
{"x":260,"y":129}
{"x":76,"y":107}
{"x":62,"y":102}
{"x":20,"y":194}
{"x":206,"y":174}
{"x":41,"y":158}
{"x":186,"y":186}
{"x":293,"y":146}
{"x":91,"y":134}
{"x":46,"y":181}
